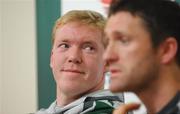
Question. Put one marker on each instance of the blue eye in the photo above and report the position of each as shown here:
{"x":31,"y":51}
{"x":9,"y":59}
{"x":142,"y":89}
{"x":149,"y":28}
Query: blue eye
{"x":88,"y":48}
{"x":63,"y":45}
{"x":124,"y":41}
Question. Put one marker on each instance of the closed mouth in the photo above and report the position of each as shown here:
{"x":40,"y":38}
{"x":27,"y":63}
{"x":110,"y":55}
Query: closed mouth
{"x":113,"y":71}
{"x":72,"y":71}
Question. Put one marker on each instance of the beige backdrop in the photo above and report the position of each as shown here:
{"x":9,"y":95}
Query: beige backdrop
{"x":17,"y":57}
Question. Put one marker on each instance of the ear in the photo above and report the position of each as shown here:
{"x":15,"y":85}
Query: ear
{"x":168,"y":50}
{"x":51,"y":59}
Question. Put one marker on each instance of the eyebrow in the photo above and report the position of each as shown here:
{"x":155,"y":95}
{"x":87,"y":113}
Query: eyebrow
{"x":90,"y":42}
{"x":63,"y":40}
{"x":81,"y":42}
{"x":118,"y":33}
{"x":115,"y":34}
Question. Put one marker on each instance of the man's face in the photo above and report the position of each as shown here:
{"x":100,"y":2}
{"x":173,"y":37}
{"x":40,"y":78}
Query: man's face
{"x":76,"y":58}
{"x":133,"y":62}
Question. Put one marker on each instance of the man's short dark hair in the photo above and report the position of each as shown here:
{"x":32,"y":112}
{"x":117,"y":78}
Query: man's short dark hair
{"x":160,"y":17}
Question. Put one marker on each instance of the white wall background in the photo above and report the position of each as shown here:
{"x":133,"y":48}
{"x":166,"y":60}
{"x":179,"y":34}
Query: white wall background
{"x":82,"y":5}
{"x":0,"y":61}
{"x":17,"y":57}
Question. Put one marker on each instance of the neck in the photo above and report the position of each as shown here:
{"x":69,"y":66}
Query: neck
{"x":160,"y":92}
{"x":64,"y":98}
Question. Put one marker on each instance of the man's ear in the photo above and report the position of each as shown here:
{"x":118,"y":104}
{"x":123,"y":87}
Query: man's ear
{"x":168,"y":50}
{"x":51,"y":59}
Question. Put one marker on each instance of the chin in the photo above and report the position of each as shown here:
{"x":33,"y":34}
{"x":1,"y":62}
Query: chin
{"x":117,"y":89}
{"x":114,"y":89}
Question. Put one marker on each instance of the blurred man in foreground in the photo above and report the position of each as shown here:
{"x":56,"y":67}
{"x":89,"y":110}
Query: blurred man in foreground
{"x":143,"y":53}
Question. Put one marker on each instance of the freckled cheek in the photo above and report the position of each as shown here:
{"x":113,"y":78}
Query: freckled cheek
{"x":89,"y":64}
{"x":93,"y":71}
{"x":90,"y":61}
{"x":59,"y":60}
{"x":95,"y":65}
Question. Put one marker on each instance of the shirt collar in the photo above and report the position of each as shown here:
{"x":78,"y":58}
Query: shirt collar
{"x":172,"y":105}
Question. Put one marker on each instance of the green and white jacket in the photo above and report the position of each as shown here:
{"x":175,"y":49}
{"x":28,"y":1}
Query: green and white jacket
{"x":99,"y":102}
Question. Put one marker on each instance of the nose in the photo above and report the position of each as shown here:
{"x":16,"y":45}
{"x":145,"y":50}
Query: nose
{"x":75,"y":56}
{"x":110,"y":54}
